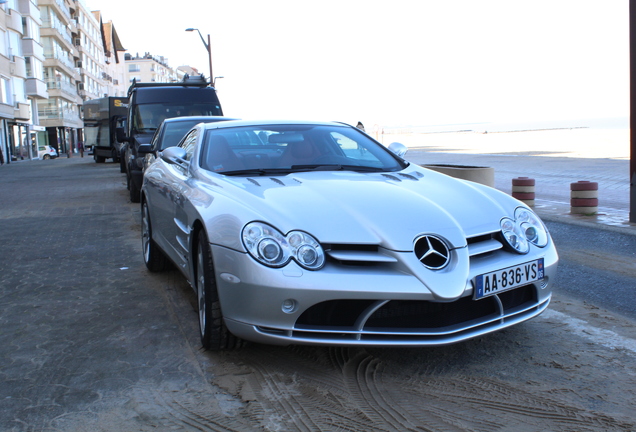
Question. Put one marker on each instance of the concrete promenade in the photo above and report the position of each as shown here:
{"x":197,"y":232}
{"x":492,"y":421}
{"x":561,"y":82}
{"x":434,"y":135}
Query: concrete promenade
{"x":554,"y":158}
{"x":82,"y":323}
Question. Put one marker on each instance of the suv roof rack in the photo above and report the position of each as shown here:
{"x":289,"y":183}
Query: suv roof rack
{"x":188,"y":81}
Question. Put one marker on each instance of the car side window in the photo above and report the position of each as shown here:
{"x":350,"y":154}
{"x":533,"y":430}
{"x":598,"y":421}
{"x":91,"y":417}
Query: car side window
{"x":188,"y":143}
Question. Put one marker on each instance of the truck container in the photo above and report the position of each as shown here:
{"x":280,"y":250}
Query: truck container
{"x":102,"y":117}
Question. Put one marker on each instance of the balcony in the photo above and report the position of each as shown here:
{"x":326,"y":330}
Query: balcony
{"x":28,"y":8}
{"x":52,"y":116}
{"x":63,"y":38}
{"x":22,"y":111}
{"x":13,"y":21}
{"x":36,"y":88}
{"x":18,"y":67}
{"x":65,"y":65}
{"x":31,"y":48}
{"x":59,"y":7}
{"x":61,"y":89}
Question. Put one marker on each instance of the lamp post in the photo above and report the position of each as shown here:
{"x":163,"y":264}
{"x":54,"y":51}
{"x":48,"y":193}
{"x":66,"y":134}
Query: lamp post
{"x":214,"y":80}
{"x":207,"y":47}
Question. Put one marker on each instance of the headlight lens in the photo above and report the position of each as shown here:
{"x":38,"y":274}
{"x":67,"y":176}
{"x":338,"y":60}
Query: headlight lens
{"x":526,"y":228}
{"x":268,"y":246}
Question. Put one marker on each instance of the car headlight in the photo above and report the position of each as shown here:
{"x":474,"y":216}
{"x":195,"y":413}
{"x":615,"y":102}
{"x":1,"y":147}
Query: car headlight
{"x":271,"y":248}
{"x":525,"y":229}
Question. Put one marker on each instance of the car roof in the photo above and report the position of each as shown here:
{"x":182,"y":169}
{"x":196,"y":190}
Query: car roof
{"x":199,"y":118}
{"x":237,"y":123}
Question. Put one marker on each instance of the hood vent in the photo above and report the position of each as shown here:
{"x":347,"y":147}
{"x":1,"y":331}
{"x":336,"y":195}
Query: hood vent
{"x":391,"y":177}
{"x":408,"y":176}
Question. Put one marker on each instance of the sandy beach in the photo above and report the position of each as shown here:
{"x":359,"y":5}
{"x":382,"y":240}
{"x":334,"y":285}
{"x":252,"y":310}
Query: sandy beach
{"x":576,"y":142}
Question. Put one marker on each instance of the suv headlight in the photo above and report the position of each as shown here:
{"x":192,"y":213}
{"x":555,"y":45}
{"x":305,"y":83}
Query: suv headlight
{"x":526,"y":228}
{"x":273,"y":249}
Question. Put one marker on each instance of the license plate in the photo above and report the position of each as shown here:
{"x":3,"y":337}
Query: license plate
{"x":508,"y":278}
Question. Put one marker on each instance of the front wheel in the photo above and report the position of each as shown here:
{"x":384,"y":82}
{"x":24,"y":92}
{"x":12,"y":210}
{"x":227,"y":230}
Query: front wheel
{"x":154,"y":258}
{"x":214,"y":334}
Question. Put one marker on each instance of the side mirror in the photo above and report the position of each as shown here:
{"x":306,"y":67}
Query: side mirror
{"x":398,"y":148}
{"x":144,"y":148}
{"x":121,"y":135}
{"x":174,"y":155}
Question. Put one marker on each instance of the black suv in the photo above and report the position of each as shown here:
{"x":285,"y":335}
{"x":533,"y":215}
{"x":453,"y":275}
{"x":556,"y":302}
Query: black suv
{"x":149,"y":104}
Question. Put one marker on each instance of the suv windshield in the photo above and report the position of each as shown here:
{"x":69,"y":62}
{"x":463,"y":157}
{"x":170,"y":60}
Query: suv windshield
{"x":281,"y":149}
{"x":148,"y":117}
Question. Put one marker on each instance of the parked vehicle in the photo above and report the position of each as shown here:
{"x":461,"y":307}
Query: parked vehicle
{"x":150,"y":104}
{"x":46,"y":152}
{"x":102,"y":117}
{"x":170,"y":133}
{"x":314,"y":233}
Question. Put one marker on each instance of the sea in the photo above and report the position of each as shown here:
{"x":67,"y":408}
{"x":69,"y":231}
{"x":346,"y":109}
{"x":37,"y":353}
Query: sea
{"x":516,"y":126}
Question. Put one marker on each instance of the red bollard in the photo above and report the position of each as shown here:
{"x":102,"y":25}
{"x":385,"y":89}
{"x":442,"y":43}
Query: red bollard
{"x":584,"y":197}
{"x":523,"y":190}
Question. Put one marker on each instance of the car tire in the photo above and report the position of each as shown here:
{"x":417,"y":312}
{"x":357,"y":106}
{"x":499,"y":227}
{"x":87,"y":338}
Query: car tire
{"x":154,"y":258}
{"x":100,"y":159}
{"x":135,"y":193}
{"x":122,"y":165}
{"x":214,"y":334}
{"x":46,"y":157}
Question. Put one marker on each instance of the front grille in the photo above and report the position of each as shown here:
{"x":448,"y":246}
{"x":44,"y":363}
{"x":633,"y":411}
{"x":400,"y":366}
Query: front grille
{"x":425,"y":315}
{"x":413,"y":321}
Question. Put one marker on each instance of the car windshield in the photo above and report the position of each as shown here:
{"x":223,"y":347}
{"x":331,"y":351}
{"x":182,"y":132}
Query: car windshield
{"x":281,"y":149}
{"x":148,"y":117}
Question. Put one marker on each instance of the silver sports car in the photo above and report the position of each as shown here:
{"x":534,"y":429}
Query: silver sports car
{"x":314,"y":233}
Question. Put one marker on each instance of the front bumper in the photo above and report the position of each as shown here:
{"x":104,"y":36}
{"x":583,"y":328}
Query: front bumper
{"x":379,"y":305}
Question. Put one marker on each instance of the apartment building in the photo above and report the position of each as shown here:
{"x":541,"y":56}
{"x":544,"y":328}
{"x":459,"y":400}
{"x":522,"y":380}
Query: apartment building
{"x":60,"y":114}
{"x":115,"y":69}
{"x":90,"y":59}
{"x":21,"y":80}
{"x":54,"y":55}
{"x":149,"y":68}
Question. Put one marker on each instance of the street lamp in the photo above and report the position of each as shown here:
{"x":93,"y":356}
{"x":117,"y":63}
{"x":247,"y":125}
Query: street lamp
{"x":214,"y":80}
{"x":207,"y":47}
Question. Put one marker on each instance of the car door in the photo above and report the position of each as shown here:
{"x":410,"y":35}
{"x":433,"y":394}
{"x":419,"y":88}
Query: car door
{"x":180,"y":226}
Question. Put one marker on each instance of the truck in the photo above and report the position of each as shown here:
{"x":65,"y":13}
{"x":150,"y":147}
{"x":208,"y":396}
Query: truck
{"x":149,"y":103}
{"x":102,"y":117}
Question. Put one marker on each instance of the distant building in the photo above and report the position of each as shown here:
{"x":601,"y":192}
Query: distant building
{"x":115,"y":68}
{"x":149,"y":68}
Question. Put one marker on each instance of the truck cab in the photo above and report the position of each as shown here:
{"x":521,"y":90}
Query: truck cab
{"x":151,"y":103}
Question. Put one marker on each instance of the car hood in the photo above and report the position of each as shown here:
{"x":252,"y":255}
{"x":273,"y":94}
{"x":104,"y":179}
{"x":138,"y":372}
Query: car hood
{"x":386,"y":209}
{"x":144,"y":138}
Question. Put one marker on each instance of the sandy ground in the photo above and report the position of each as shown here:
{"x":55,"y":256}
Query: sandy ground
{"x":91,"y":341}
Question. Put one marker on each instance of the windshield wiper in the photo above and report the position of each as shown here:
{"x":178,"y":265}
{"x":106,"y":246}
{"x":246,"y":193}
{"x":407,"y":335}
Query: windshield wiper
{"x":301,"y":168}
{"x":257,"y":171}
{"x":337,"y":167}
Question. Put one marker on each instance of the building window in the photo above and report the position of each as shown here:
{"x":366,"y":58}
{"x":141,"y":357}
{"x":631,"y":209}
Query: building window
{"x":5,"y":88}
{"x":133,"y":68}
{"x":4,"y":43}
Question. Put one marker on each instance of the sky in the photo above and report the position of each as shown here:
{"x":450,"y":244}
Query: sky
{"x":398,"y":62}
